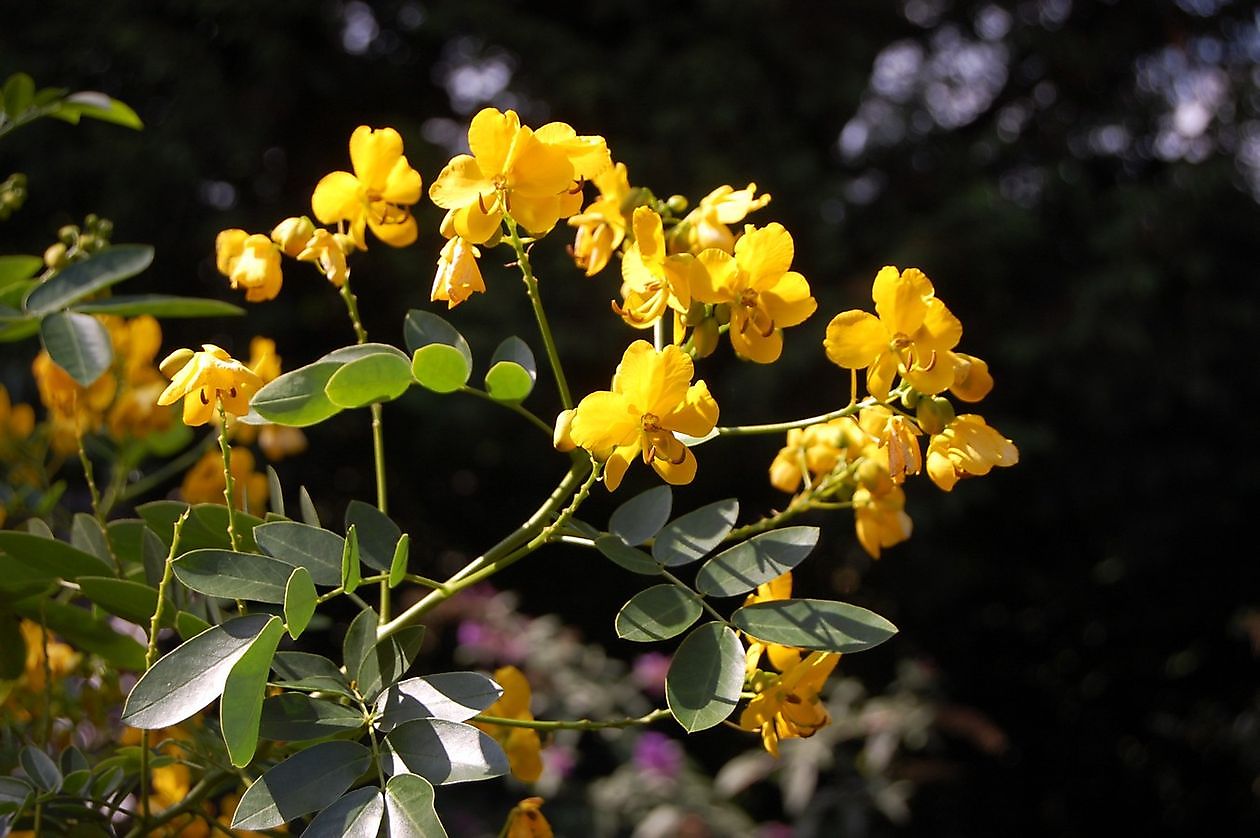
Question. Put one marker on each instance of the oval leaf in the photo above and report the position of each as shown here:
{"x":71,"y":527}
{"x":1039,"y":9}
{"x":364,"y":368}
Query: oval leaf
{"x":513,"y":371}
{"x":34,"y":558}
{"x":83,"y":279}
{"x":659,"y":613}
{"x":351,"y":572}
{"x":440,"y":368}
{"x":159,"y":305}
{"x":304,"y":783}
{"x":40,"y":768}
{"x":378,"y":535}
{"x":705,"y":677}
{"x":442,"y":752}
{"x":423,"y":328}
{"x":375,"y":378}
{"x":78,"y":343}
{"x":297,"y":398}
{"x":756,"y":561}
{"x":357,"y":815}
{"x":398,"y":565}
{"x":234,"y":575}
{"x":690,"y":536}
{"x":133,"y":601}
{"x":299,"y":601}
{"x":303,"y":545}
{"x":642,"y":517}
{"x":454,"y":696}
{"x":631,"y":558}
{"x":85,"y":630}
{"x":816,"y":624}
{"x":241,"y":707}
{"x":409,"y":808}
{"x":293,"y":717}
{"x":190,"y":677}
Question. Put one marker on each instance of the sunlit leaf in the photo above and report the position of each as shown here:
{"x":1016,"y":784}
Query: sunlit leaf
{"x":817,"y":624}
{"x":658,"y":613}
{"x":705,"y":677}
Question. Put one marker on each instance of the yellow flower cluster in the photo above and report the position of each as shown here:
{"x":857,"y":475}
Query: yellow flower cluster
{"x":377,"y":196}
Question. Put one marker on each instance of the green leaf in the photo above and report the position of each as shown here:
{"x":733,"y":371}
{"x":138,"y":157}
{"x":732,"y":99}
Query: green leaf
{"x":816,"y":624}
{"x":630,"y":558}
{"x":234,"y":575}
{"x":126,"y":539}
{"x":18,"y":330}
{"x":206,"y":525}
{"x":31,"y":558}
{"x":440,"y":357}
{"x":351,"y":574}
{"x":193,"y":675}
{"x":299,"y":601}
{"x":357,"y":815}
{"x":307,"y":506}
{"x":17,"y":268}
{"x":303,"y":545}
{"x":159,"y":305}
{"x":659,"y":613}
{"x":86,"y":631}
{"x":241,"y":707}
{"x":15,"y":792}
{"x":83,"y":279}
{"x":71,"y":760}
{"x":189,"y":625}
{"x":40,"y":768}
{"x":454,"y":696}
{"x":293,"y":717}
{"x":133,"y":601}
{"x":297,"y":398}
{"x":690,"y":536}
{"x":87,"y":535}
{"x":442,"y":752}
{"x":378,"y":535}
{"x":642,"y":517}
{"x":275,"y":492}
{"x":756,"y":561}
{"x":76,"y":782}
{"x":19,"y":90}
{"x":305,"y":671}
{"x":305,"y":782}
{"x":409,"y":808}
{"x":96,"y":105}
{"x":78,"y":343}
{"x":360,"y":637}
{"x":388,"y":661}
{"x":440,"y":368}
{"x":398,"y":565}
{"x":705,"y":677}
{"x":375,"y":378}
{"x":357,"y":351}
{"x":513,"y":371}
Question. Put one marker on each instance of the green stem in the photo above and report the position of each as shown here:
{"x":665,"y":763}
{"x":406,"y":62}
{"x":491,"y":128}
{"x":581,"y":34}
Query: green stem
{"x":784,"y":427}
{"x":573,"y":724}
{"x":535,"y":300}
{"x":228,"y":483}
{"x":97,"y":510}
{"x":512,"y":406}
{"x":703,"y":603}
{"x":578,"y":479}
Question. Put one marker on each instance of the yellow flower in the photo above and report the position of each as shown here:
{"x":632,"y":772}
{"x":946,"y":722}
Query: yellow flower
{"x":787,"y":706}
{"x":458,"y":276}
{"x":292,"y":234}
{"x":249,"y":262}
{"x":652,"y":282}
{"x":652,"y":398}
{"x":967,"y":446}
{"x":17,"y":423}
{"x":818,"y":448}
{"x":136,"y":343}
{"x":763,"y":295}
{"x":510,"y":169}
{"x":203,"y":483}
{"x":379,"y":194}
{"x":521,"y":744}
{"x":898,"y":436}
{"x":912,"y":335}
{"x":880,"y":518}
{"x":526,"y":820}
{"x":782,"y":658}
{"x":68,"y":402}
{"x":601,"y":227}
{"x":706,"y":225}
{"x":207,"y":377}
{"x":62,"y":659}
{"x":972,"y":381}
{"x":327,"y":253}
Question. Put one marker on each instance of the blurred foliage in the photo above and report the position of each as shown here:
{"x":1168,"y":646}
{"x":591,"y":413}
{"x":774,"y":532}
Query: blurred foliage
{"x":1080,"y":175}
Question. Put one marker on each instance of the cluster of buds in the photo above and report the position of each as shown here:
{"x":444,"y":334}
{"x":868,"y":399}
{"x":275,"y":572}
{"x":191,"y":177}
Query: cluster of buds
{"x":12,"y":195}
{"x":74,"y":243}
{"x":251,"y":261}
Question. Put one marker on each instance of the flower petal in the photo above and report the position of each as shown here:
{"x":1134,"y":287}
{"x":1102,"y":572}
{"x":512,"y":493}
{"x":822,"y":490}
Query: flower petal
{"x":855,"y":339}
{"x":677,"y":474}
{"x":765,"y":253}
{"x":394,"y":234}
{"x":697,"y":415}
{"x":602,"y":421}
{"x":900,"y":298}
{"x":717,"y":282}
{"x":460,"y":183}
{"x":338,"y":196}
{"x":373,"y":154}
{"x":402,"y":184}
{"x":788,"y":300}
{"x":651,"y":381}
{"x":749,"y":342}
{"x":490,"y":137}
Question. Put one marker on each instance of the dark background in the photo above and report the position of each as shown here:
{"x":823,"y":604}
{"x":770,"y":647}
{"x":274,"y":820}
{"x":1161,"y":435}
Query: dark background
{"x":1078,"y":178}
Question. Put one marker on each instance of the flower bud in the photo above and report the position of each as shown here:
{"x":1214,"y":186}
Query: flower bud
{"x":695,"y":314}
{"x":292,"y":234}
{"x":705,"y":337}
{"x":910,"y":399}
{"x":722,"y":313}
{"x":346,"y":242}
{"x":55,"y":256}
{"x":175,"y":362}
{"x":67,"y":234}
{"x":104,"y":229}
{"x":677,"y":204}
{"x":934,"y":413}
{"x":561,"y":438}
{"x":89,"y":242}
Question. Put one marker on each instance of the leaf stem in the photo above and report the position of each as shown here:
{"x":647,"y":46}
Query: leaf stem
{"x":697,"y":596}
{"x":535,"y":300}
{"x":512,"y":406}
{"x":784,"y":427}
{"x":572,"y":724}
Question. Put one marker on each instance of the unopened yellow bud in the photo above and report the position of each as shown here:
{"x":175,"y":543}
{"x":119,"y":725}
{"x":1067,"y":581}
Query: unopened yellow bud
{"x":292,"y":234}
{"x":933,"y":414}
{"x":345,"y":242}
{"x":561,"y":438}
{"x":175,"y":362}
{"x":67,"y":234}
{"x":695,"y":314}
{"x":677,"y":204}
{"x":910,"y":399}
{"x":55,"y":256}
{"x":705,"y":337}
{"x":722,"y":314}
